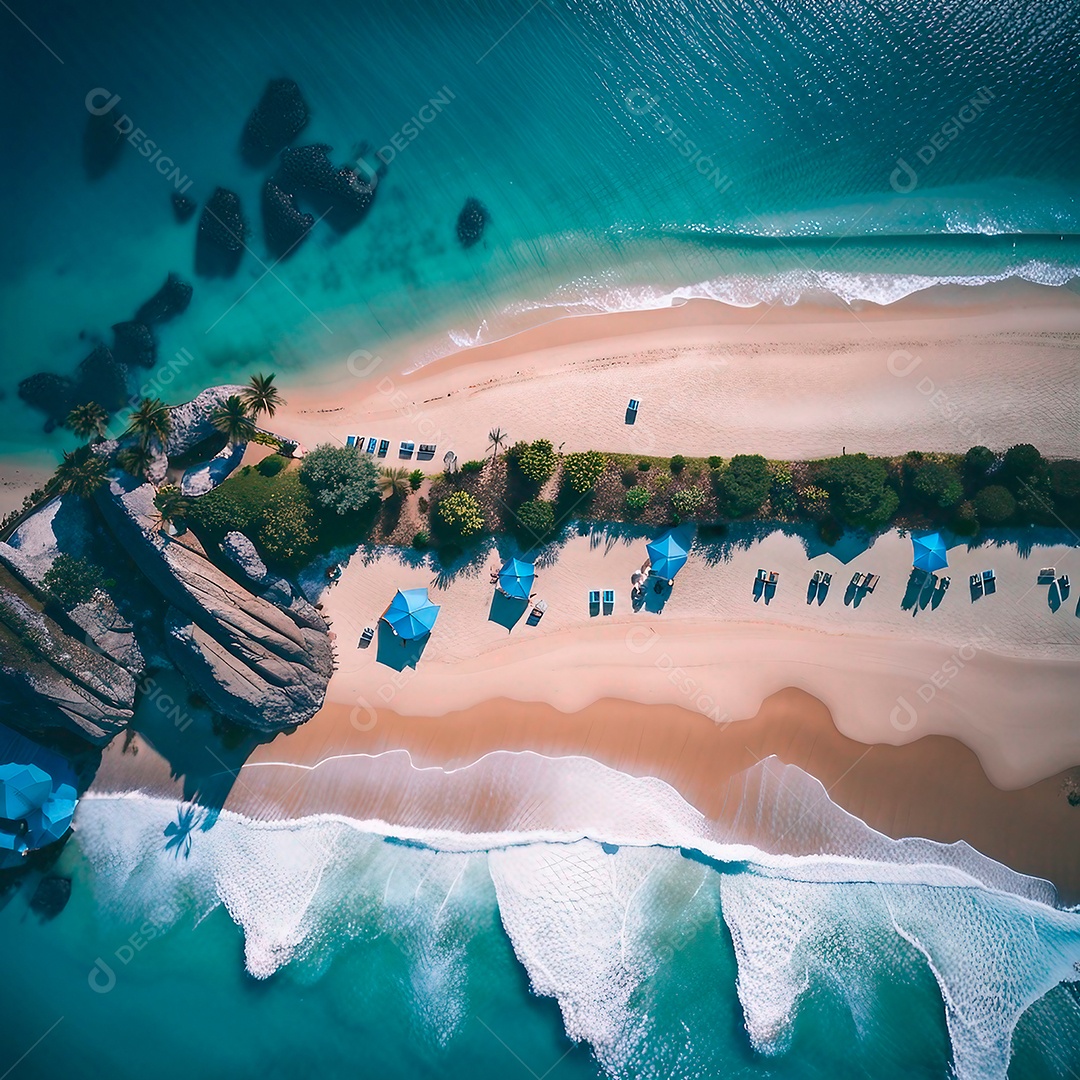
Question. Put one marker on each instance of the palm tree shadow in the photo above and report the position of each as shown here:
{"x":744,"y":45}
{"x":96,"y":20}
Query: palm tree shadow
{"x":179,"y":831}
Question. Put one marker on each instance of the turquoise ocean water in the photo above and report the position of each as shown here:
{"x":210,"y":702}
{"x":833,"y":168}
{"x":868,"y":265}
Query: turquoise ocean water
{"x":629,"y":153}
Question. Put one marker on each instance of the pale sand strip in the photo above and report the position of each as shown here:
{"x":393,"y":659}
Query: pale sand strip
{"x":788,"y":383}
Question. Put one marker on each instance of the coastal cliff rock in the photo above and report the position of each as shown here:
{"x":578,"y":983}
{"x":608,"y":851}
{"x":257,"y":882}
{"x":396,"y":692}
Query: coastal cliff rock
{"x":50,"y":680}
{"x":259,"y":664}
{"x":219,"y":245}
{"x":191,"y":425}
{"x":281,"y":114}
{"x":241,"y":552}
{"x":200,"y":479}
{"x":170,"y":300}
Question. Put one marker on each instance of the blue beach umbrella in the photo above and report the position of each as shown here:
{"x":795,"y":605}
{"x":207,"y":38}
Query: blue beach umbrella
{"x":929,"y":553}
{"x":516,"y":579}
{"x":667,"y":556}
{"x":22,"y":788}
{"x":411,"y":614}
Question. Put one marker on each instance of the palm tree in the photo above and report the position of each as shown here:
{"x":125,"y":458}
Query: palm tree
{"x":88,"y":420}
{"x":232,"y":420}
{"x":496,"y":438}
{"x":151,"y":418}
{"x":171,"y":504}
{"x":135,"y":460}
{"x":81,"y":472}
{"x":262,"y":396}
{"x":394,"y":482}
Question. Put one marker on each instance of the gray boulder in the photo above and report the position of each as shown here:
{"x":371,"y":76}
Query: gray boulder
{"x":191,"y":423}
{"x":200,"y":479}
{"x":260,"y":664}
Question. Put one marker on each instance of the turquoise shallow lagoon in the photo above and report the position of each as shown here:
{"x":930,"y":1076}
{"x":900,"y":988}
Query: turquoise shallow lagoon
{"x":630,"y":153}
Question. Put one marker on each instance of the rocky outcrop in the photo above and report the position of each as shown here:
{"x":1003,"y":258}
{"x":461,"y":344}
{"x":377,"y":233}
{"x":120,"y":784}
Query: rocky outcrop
{"x":471,"y":222}
{"x":99,"y":377}
{"x":340,"y":195}
{"x":206,"y":476}
{"x":258,"y":664}
{"x":279,"y":117}
{"x":242,"y":554}
{"x":219,"y":244}
{"x":170,"y":300}
{"x":191,"y":425}
{"x":183,"y":207}
{"x":134,"y":344}
{"x":49,"y":680}
{"x":52,"y":394}
{"x":283,"y":225}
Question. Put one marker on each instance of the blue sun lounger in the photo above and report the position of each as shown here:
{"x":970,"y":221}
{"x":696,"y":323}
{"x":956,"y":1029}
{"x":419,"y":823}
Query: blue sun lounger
{"x":609,"y":601}
{"x":350,"y":441}
{"x":384,"y":445}
{"x":594,"y":602}
{"x":371,"y":444}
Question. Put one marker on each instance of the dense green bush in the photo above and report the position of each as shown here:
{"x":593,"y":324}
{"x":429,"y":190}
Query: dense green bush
{"x":536,"y":518}
{"x":677,"y":464}
{"x":815,"y":501}
{"x":644,"y":465}
{"x":637,"y":498}
{"x":421,"y":540}
{"x":461,"y":514}
{"x":938,"y":484}
{"x":978,"y":461}
{"x":995,"y":504}
{"x":272,"y":464}
{"x":473,"y":466}
{"x":582,"y":470}
{"x":285,"y":532}
{"x":859,"y":491}
{"x":1065,"y":481}
{"x":716,"y":462}
{"x":72,"y":580}
{"x":744,"y":485}
{"x":340,"y":479}
{"x":535,"y":461}
{"x":688,"y":501}
{"x":416,"y":478}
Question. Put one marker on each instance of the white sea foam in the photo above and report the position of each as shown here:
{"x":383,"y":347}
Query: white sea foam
{"x":593,"y":891}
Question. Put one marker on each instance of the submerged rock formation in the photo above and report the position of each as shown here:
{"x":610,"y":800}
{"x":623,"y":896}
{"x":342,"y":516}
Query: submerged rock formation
{"x":219,"y":244}
{"x":340,"y":195}
{"x":283,"y":225}
{"x":279,"y":117}
{"x":99,"y":377}
{"x":183,"y":207}
{"x":259,"y":664}
{"x":101,"y":145}
{"x":134,"y":344}
{"x":170,"y":300}
{"x":471,"y":222}
{"x":53,"y":394}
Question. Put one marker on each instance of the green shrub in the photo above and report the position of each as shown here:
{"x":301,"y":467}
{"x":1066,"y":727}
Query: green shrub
{"x":1023,"y":463}
{"x":688,"y":501}
{"x":461,"y":514}
{"x":416,"y":478}
{"x":644,"y":465}
{"x":581,"y":471}
{"x":535,"y":461}
{"x":284,"y":533}
{"x":782,"y":494}
{"x":339,"y":478}
{"x":815,"y":501}
{"x":536,"y":518}
{"x":1065,"y":480}
{"x":677,"y":464}
{"x":744,"y":484}
{"x":629,"y":478}
{"x":716,"y":462}
{"x":859,"y":491}
{"x":966,"y":522}
{"x":637,"y":498}
{"x":473,"y":466}
{"x":978,"y":461}
{"x":995,"y":504}
{"x":423,"y":504}
{"x":421,"y":540}
{"x":938,"y":484}
{"x":72,"y":580}
{"x":272,"y":464}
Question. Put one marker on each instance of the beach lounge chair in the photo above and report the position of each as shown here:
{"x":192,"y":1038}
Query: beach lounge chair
{"x":371,"y":445}
{"x":1063,"y":583}
{"x":594,"y":602}
{"x":762,"y":576}
{"x":976,"y":582}
{"x":350,"y":441}
{"x":406,"y":449}
{"x":944,"y":583}
{"x":538,"y":610}
{"x":826,"y":579}
{"x":989,"y":581}
{"x":857,"y":580}
{"x":427,"y":451}
{"x":631,"y":411}
{"x":365,"y":637}
{"x":774,"y":577}
{"x":816,"y":579}
{"x":1047,"y":574}
{"x":870,"y":584}
{"x":384,"y":445}
{"x":609,"y":601}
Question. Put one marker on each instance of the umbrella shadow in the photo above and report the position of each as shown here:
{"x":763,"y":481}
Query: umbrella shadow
{"x":656,"y":595}
{"x":506,"y":611}
{"x":397,"y":652}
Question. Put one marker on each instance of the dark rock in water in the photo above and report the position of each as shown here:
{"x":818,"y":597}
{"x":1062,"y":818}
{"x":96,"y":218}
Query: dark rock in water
{"x":101,"y":146}
{"x":283,"y":225}
{"x":51,"y":896}
{"x":53,"y":394}
{"x":169,"y":301}
{"x":102,"y":378}
{"x":471,"y":222}
{"x":183,"y":207}
{"x":341,"y":195}
{"x":279,"y":117}
{"x":134,"y":344}
{"x":219,"y":245}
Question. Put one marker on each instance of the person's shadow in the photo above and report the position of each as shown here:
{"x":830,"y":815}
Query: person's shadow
{"x":398,"y":652}
{"x":505,"y":610}
{"x":911,"y":593}
{"x":656,"y":596}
